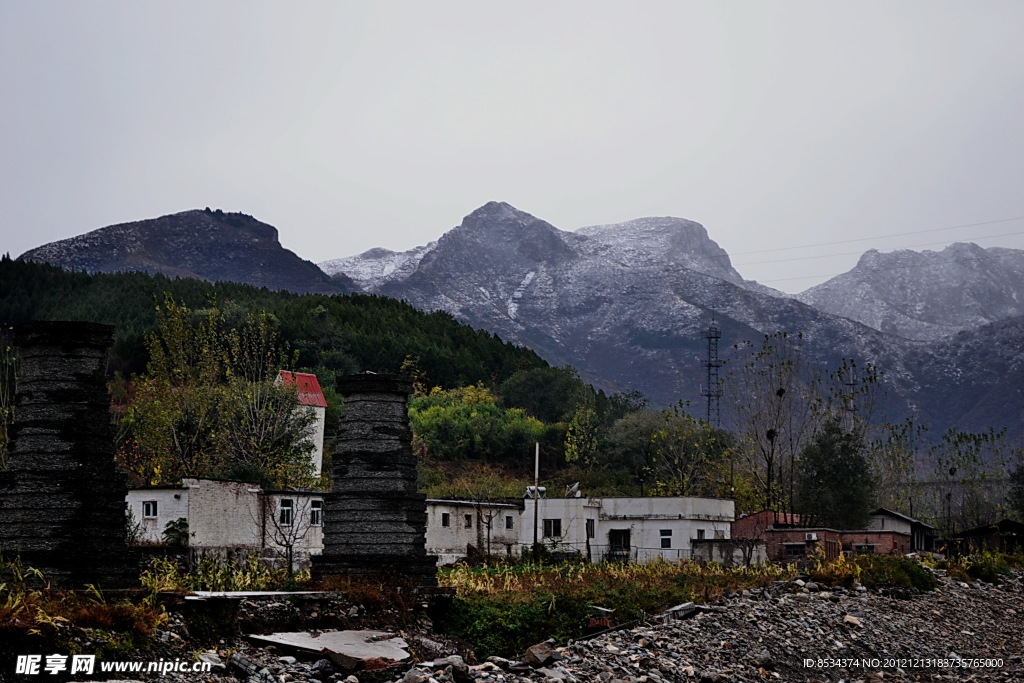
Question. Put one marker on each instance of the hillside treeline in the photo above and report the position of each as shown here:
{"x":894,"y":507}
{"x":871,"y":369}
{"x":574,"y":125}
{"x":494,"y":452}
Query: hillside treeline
{"x":332,"y":335}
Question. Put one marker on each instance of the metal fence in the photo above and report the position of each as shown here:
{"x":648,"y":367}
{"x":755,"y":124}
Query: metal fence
{"x":611,"y":553}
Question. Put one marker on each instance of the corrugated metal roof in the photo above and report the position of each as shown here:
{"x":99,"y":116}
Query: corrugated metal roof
{"x":308,"y":387}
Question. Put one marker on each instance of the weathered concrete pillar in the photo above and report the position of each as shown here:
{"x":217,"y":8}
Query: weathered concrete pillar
{"x":375,"y":520}
{"x":62,"y":500}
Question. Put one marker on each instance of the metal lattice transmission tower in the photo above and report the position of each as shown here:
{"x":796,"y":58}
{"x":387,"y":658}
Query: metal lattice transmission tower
{"x":713,"y":390}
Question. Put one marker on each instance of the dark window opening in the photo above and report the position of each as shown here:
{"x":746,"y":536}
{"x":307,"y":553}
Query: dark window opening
{"x":552,"y":528}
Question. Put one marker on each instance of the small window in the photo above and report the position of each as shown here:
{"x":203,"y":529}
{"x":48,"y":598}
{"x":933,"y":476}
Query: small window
{"x":552,"y":528}
{"x":590,"y":528}
{"x":509,"y":523}
{"x":149,"y":509}
{"x":287,"y":512}
{"x":446,"y":519}
{"x":794,"y":550}
{"x":469,"y":521}
{"x":700,"y":534}
{"x":316,"y":513}
{"x":666,"y":538}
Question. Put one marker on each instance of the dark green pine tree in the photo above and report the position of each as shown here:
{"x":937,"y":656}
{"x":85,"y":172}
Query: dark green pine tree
{"x":835,"y":486}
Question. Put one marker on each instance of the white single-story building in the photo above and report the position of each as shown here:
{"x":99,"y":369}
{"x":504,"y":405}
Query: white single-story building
{"x":453,"y":526}
{"x":225,"y":516}
{"x":625,"y":529}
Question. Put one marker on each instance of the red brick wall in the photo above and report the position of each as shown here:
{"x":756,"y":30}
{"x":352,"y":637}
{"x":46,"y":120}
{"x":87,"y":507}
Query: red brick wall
{"x":777,"y":541}
{"x":882,"y":542}
{"x":754,"y":525}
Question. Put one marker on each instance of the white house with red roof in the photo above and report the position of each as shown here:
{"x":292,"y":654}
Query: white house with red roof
{"x":311,"y":398}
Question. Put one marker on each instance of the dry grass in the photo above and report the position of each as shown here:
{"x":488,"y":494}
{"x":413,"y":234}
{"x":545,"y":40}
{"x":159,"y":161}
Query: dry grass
{"x":32,"y":611}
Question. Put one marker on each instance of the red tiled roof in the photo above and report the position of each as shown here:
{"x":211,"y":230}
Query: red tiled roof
{"x":310,"y":393}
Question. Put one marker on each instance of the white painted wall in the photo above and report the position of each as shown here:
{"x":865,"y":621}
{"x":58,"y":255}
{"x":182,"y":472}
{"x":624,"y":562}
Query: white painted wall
{"x":231,"y":515}
{"x":645,"y":519}
{"x":449,"y":543}
{"x":223,"y":514}
{"x":317,"y":437}
{"x":889,"y":523}
{"x":171,"y":504}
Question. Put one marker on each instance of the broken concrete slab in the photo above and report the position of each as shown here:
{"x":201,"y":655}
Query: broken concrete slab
{"x":683,"y":611}
{"x":358,"y":645}
{"x":240,"y":595}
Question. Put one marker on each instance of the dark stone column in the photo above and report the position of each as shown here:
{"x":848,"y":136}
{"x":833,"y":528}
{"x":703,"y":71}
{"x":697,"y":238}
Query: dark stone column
{"x":62,"y":500}
{"x":375,"y":520}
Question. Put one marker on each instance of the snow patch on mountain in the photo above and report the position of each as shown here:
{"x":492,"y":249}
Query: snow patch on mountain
{"x":513,"y":301}
{"x":374,"y":267}
{"x":655,"y":242}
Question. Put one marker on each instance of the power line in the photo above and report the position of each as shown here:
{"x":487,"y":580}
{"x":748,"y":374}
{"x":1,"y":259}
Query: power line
{"x":855,"y":253}
{"x":990,"y":257}
{"x":892,"y":234}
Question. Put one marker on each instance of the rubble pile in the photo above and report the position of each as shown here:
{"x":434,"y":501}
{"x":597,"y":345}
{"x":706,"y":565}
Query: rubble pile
{"x":790,"y":631}
{"x":802,"y":632}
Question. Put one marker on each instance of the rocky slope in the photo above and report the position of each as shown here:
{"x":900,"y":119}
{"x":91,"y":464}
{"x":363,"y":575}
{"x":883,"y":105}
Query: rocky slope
{"x":971,"y":381}
{"x":926,"y":295}
{"x":627,"y":304}
{"x":208,"y":245}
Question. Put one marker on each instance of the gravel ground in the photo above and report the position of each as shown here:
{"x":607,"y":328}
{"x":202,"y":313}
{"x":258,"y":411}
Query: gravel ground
{"x":794,"y":631}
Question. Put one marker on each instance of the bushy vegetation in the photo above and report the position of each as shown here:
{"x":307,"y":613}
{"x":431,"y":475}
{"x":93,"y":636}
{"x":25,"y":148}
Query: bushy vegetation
{"x":35,"y":617}
{"x":870,"y":570}
{"x":987,"y":566}
{"x":502,"y":609}
{"x":217,"y":573}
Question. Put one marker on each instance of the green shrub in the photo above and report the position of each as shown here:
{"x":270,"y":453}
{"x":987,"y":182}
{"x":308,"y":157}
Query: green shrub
{"x":888,"y":570}
{"x":503,"y":609}
{"x":989,"y":567}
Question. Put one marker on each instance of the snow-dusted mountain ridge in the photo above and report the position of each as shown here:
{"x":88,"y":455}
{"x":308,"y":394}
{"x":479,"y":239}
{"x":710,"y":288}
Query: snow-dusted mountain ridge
{"x":628,"y":303}
{"x":926,"y":295}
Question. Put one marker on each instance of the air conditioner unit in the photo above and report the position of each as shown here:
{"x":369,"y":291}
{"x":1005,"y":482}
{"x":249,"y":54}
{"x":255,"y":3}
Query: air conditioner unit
{"x":810,"y":537}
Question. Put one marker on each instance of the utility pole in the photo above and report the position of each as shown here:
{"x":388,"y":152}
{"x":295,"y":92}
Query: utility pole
{"x":536,"y":497}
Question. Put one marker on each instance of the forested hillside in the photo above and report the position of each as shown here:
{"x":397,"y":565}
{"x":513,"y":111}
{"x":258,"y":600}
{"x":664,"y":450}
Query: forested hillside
{"x":332,"y":334}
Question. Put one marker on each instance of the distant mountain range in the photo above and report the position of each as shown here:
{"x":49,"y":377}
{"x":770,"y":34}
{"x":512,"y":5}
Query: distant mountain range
{"x":926,"y":295}
{"x":628,"y":303}
{"x":207,"y":245}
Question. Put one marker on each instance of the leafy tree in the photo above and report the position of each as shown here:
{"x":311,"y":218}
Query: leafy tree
{"x":548,"y":394}
{"x":468,"y":423}
{"x":892,"y":464}
{"x":260,"y":426}
{"x":631,"y":441}
{"x":690,"y":455}
{"x":617,"y":406}
{"x":835,"y":486}
{"x":171,"y":426}
{"x":210,"y":405}
{"x":581,"y":437}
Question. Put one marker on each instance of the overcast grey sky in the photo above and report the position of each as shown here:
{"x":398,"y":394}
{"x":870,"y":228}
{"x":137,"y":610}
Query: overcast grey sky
{"x":352,"y":125}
